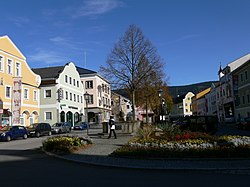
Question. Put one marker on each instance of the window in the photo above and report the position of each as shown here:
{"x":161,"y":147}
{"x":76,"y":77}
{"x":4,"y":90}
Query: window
{"x":47,"y":93}
{"x":35,"y":95}
{"x":74,"y":82}
{"x":78,"y":98}
{"x":66,"y":93}
{"x":7,"y":91}
{"x":48,"y":115}
{"x":246,"y":75}
{"x":241,"y":77}
{"x":248,"y":98}
{"x":91,"y":101}
{"x":1,"y":63}
{"x":66,"y":78}
{"x":9,"y":66}
{"x":70,"y":96}
{"x":81,"y":99}
{"x":243,"y":99}
{"x":89,"y":84}
{"x":77,"y":83}
{"x":26,"y":93}
{"x":74,"y":97}
{"x":70,"y":80}
{"x":18,"y":69}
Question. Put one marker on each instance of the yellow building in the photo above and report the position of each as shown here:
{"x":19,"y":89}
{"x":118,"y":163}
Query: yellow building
{"x":201,"y":102}
{"x":19,"y":87}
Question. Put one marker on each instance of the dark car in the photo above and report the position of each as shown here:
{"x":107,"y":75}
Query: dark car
{"x":182,"y":123}
{"x":80,"y":126}
{"x":13,"y":132}
{"x":244,"y":123}
{"x":62,"y":127}
{"x":38,"y":129}
{"x":207,"y":124}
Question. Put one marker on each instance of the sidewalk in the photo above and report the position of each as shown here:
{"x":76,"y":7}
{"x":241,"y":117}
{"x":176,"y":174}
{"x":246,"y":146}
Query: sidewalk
{"x":98,"y":154}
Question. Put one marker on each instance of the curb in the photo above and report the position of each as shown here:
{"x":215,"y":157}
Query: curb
{"x":191,"y":165}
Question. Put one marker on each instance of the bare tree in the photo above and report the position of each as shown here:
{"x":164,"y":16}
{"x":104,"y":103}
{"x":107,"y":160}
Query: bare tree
{"x":132,"y":61}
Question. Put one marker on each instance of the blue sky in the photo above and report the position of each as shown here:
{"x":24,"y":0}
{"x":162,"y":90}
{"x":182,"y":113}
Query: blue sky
{"x":192,"y":36}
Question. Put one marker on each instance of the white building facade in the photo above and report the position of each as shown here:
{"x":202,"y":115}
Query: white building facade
{"x":61,"y":94}
{"x":99,"y":90}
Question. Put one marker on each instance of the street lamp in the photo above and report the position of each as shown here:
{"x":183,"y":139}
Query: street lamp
{"x":86,"y":97}
{"x":146,"y":97}
{"x":160,"y":93}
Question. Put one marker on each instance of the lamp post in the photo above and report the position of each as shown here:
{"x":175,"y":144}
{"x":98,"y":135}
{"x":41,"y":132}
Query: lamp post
{"x":86,"y":97}
{"x":146,"y":97}
{"x":160,"y":92}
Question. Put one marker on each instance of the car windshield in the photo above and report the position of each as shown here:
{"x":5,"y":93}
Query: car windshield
{"x":79,"y":123}
{"x":57,"y":125}
{"x":32,"y":126}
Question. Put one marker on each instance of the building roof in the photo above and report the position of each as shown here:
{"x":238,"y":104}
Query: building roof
{"x":237,"y":63}
{"x":49,"y":72}
{"x":203,"y":93}
{"x":83,"y":71}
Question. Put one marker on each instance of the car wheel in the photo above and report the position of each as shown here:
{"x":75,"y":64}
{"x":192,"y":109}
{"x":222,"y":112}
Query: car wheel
{"x":37,"y":134}
{"x":49,"y":134}
{"x":25,"y":136}
{"x":8,"y":138}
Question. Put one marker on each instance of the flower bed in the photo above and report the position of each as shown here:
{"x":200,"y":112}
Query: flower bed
{"x":65,"y":144}
{"x":173,"y":143}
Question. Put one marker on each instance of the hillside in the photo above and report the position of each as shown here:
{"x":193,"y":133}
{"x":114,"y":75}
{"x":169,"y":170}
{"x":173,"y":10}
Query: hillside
{"x":195,"y":88}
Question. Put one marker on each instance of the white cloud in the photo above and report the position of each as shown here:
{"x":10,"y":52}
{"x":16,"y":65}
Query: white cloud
{"x":97,"y":7}
{"x":19,"y":21}
{"x":187,"y":37}
{"x":57,"y":39}
{"x":46,"y":57}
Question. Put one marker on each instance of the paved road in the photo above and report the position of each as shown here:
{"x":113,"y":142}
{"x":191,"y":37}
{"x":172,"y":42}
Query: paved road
{"x":37,"y":169}
{"x":21,"y":165}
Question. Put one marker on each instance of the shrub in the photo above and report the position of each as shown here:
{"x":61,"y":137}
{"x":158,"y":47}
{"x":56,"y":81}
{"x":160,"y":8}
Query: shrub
{"x":188,"y":144}
{"x":64,"y":144}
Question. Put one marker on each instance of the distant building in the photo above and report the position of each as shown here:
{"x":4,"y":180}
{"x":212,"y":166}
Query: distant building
{"x":201,"y":102}
{"x":182,"y":105}
{"x":19,"y":87}
{"x":225,"y":96}
{"x":241,"y":90}
{"x":211,"y":100}
{"x":187,"y":104}
{"x":121,"y":107}
{"x":99,"y":89}
{"x":61,"y":94}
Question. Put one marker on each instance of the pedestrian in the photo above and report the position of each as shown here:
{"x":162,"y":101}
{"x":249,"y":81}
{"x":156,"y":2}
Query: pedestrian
{"x":112,"y":127}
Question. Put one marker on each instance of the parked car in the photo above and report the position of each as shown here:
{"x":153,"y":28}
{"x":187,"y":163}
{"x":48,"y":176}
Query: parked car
{"x":244,"y":123}
{"x":2,"y":126}
{"x":38,"y":129}
{"x":62,"y":127}
{"x":182,"y":123}
{"x":80,"y":126}
{"x":207,"y":124}
{"x":8,"y":133}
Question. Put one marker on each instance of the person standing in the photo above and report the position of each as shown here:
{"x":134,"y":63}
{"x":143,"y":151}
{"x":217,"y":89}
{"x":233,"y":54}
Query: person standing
{"x":112,"y":127}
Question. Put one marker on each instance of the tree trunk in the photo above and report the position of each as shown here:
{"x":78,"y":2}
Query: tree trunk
{"x":133,"y":104}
